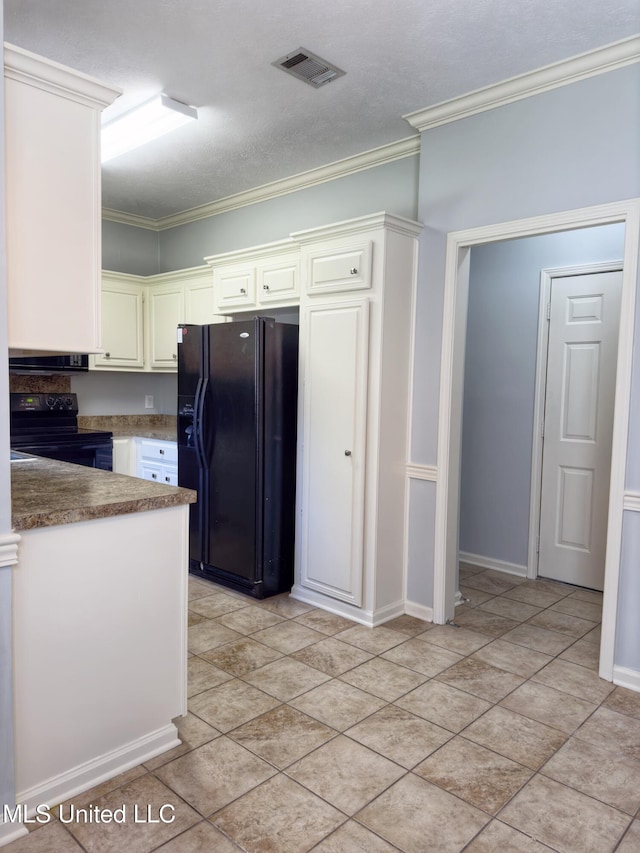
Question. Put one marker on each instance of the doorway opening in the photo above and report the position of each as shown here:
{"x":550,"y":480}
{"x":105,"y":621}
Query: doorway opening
{"x":459,"y":247}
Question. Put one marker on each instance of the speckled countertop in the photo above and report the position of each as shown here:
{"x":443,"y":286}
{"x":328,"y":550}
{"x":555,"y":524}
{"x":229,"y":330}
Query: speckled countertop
{"x":163,"y":427}
{"x":45,"y":493}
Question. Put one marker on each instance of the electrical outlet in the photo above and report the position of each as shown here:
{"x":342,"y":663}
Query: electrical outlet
{"x":148,"y":401}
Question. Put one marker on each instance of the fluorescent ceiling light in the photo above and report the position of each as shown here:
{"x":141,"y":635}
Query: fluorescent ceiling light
{"x":142,"y":124}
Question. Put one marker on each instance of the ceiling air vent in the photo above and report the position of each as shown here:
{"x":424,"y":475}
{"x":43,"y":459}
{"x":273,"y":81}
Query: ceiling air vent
{"x":308,"y":67}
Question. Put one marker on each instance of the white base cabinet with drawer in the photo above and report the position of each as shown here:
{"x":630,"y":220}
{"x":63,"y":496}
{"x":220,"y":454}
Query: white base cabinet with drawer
{"x":356,"y":312}
{"x":157,"y":460}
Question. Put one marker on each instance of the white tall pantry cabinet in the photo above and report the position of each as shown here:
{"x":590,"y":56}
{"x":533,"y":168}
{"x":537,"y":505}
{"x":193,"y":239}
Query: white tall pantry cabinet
{"x":53,"y":196}
{"x":356,"y":315}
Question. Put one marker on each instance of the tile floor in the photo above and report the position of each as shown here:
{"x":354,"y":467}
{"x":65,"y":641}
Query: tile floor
{"x":308,"y":732}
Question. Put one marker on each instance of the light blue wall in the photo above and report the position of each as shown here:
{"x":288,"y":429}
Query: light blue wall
{"x":499,"y":384}
{"x":572,"y":147}
{"x":392,"y":187}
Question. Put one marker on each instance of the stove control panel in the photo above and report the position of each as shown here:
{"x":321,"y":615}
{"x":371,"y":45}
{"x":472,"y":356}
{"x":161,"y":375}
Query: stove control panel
{"x":45,"y":403}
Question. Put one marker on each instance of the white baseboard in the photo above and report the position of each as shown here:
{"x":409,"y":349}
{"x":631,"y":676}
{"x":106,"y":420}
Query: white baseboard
{"x":11,"y":832}
{"x":84,"y":776}
{"x":370,"y":618}
{"x":420,"y":611}
{"x":629,"y":678}
{"x":490,"y":563}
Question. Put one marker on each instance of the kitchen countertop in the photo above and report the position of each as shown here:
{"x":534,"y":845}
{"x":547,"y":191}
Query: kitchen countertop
{"x":46,"y":493}
{"x":161,"y":427}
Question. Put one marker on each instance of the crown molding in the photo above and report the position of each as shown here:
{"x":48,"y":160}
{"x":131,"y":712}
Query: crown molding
{"x":359,"y":225}
{"x":26,"y":67}
{"x":590,"y":64}
{"x":407,"y":147}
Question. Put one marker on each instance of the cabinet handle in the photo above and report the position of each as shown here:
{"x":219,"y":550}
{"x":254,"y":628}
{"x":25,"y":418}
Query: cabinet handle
{"x":243,"y":290}
{"x":347,"y":453}
{"x":265,"y":287}
{"x":154,"y":476}
{"x":354,"y":271}
{"x":167,"y":479}
{"x":161,"y":451}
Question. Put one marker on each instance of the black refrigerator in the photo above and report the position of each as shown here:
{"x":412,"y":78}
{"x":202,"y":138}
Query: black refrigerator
{"x":237,"y":416}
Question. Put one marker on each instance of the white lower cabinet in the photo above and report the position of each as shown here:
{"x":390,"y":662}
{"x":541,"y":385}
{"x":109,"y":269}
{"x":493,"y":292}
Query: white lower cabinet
{"x":124,"y":456}
{"x":157,"y":460}
{"x":336,"y":339}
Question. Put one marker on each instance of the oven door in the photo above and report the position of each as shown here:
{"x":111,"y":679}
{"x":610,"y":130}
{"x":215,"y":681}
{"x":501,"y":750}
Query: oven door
{"x":88,"y":452}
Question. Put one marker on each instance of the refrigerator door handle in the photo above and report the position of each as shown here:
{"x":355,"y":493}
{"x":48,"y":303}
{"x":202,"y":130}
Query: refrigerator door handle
{"x":197,"y":421}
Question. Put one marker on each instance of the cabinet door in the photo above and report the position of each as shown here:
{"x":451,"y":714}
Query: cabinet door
{"x":166,"y":310}
{"x":335,"y":339}
{"x":345,"y":268}
{"x":122,"y":335}
{"x":124,"y":456}
{"x":278,"y":281}
{"x":234,"y":287}
{"x":199,"y":306}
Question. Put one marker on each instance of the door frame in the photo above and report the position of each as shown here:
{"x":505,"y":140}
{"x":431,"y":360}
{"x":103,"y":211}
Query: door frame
{"x":546,"y":280}
{"x":456,"y":289}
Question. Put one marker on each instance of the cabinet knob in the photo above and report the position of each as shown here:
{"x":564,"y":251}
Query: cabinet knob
{"x":265,"y":287}
{"x":354,"y":270}
{"x":161,"y":451}
{"x":175,"y":357}
{"x":107,"y":355}
{"x":167,"y":479}
{"x":154,"y":476}
{"x":347,"y":453}
{"x":243,"y":290}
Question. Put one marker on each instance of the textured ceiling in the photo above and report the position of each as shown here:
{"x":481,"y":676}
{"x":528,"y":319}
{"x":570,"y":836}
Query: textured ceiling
{"x":258,"y":124}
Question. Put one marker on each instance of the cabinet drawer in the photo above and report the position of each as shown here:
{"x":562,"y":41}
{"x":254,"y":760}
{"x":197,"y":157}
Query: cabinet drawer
{"x":167,"y":474}
{"x":158,"y":451}
{"x":342,"y":269}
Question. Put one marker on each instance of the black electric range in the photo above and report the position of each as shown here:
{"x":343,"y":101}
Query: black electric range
{"x":47,"y":425}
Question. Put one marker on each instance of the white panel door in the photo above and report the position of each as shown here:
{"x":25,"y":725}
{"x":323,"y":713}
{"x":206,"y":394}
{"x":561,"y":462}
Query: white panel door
{"x":581,"y":380}
{"x":334,"y":437}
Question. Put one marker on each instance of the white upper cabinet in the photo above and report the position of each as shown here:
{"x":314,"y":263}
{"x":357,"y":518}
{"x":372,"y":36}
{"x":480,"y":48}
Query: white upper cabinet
{"x":166,"y":310}
{"x":53,"y":196}
{"x":122,"y":324}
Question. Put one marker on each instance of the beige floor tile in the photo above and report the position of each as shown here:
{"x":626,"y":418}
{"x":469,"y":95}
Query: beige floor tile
{"x":550,"y":586}
{"x":374,"y":640}
{"x":383,"y":678}
{"x":477,"y":775}
{"x":422,"y":657}
{"x":494,"y":582}
{"x":522,"y":740}
{"x":149,"y":795}
{"x":337,"y":704}
{"x":209,"y":635}
{"x":609,"y":777}
{"x":325,"y":622}
{"x":564,"y":819}
{"x":538,"y":639}
{"x":509,"y":607}
{"x":577,"y":680}
{"x":212,"y":776}
{"x":631,"y":841}
{"x":278,"y":817}
{"x":286,"y":678}
{"x":480,"y":679}
{"x":332,"y":656}
{"x":345,"y":773}
{"x":201,"y":838}
{"x":549,"y":706}
{"x":399,"y":735}
{"x":417,"y":816}
{"x":410,"y":625}
{"x":474,"y":597}
{"x":615,"y":732}
{"x":93,"y":794}
{"x":594,"y":636}
{"x":286,"y":606}
{"x":484,"y":623}
{"x":50,"y":838}
{"x":584,"y":653}
{"x":512,"y":657}
{"x":248,"y":620}
{"x":582,"y":609}
{"x":201,"y":675}
{"x":538,"y":596}
{"x":199,"y":588}
{"x":624,"y":702}
{"x":588,"y":595}
{"x":288,"y":637}
{"x":193,"y":732}
{"x":459,"y":640}
{"x":231,"y":704}
{"x":194,"y":618}
{"x":563,"y":623}
{"x":443,"y":705}
{"x":282,"y":736}
{"x":211,"y":606}
{"x":241,"y":656}
{"x":351,"y":837}
{"x":500,"y":838}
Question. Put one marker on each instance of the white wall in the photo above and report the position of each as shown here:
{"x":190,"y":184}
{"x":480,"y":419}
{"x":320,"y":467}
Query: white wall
{"x":564,"y":149}
{"x":499,"y":384}
{"x":105,"y":393}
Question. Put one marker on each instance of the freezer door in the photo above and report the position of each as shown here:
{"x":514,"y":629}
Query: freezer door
{"x":232,"y":432}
